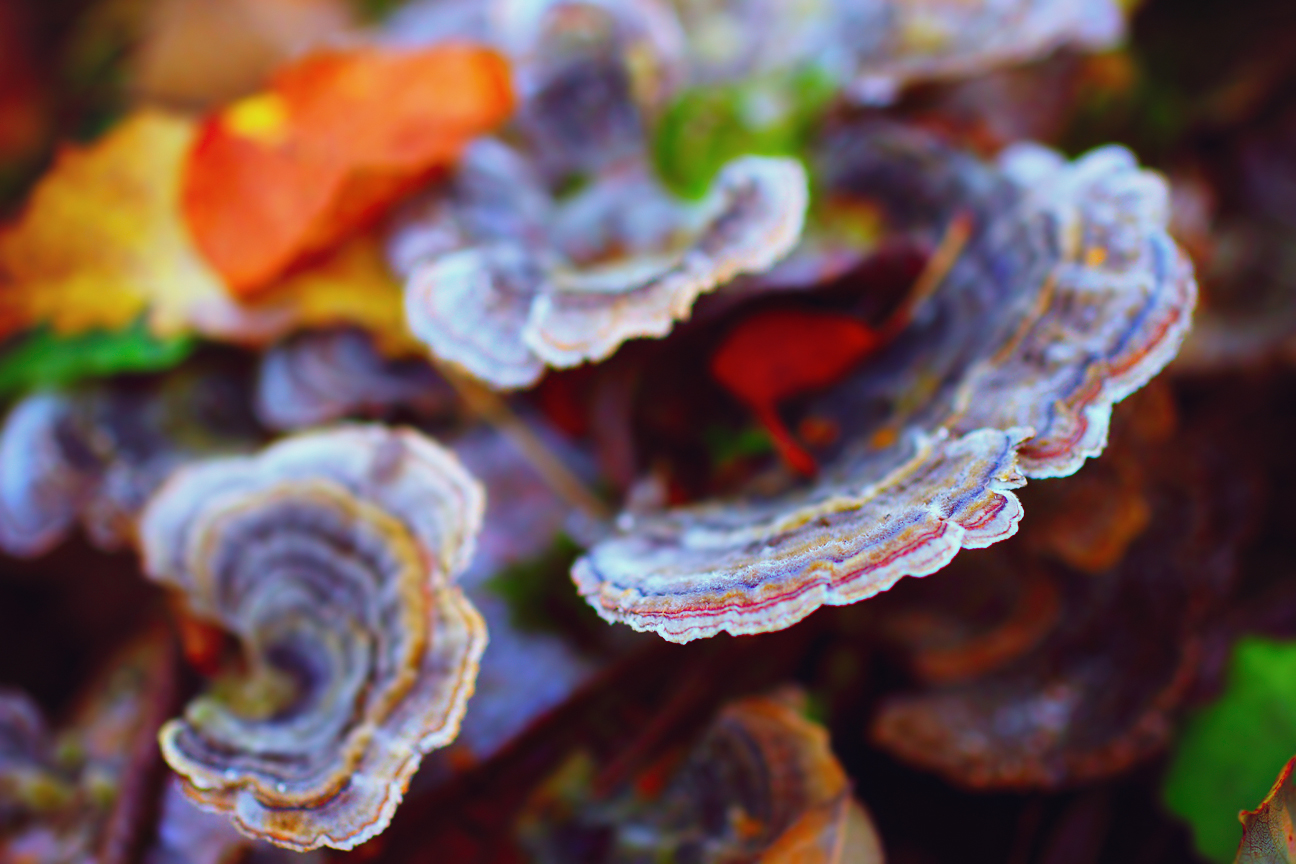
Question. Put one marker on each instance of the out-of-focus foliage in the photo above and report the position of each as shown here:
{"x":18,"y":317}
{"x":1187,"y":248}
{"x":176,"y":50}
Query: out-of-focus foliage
{"x":42,"y":359}
{"x":707,"y":126}
{"x":101,"y":241}
{"x":286,"y":177}
{"x":533,"y":588}
{"x":761,"y":785}
{"x":24,"y":105}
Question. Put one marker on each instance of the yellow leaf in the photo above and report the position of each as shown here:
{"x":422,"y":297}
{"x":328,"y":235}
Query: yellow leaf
{"x":351,"y":286}
{"x":102,"y":241}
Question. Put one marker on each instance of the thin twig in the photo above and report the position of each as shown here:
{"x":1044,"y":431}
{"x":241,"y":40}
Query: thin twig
{"x":935,"y":270}
{"x":494,"y":410}
{"x":942,"y":259}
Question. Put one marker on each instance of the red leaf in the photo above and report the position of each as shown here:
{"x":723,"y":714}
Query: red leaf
{"x":774,"y":355}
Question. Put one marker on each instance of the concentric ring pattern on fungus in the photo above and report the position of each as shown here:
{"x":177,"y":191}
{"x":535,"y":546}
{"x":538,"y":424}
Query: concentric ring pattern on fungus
{"x":331,"y":556}
{"x":504,"y":309}
{"x":1068,"y":296}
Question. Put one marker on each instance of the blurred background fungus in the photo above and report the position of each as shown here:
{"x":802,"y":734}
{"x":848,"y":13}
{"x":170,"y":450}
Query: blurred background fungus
{"x":368,"y":365}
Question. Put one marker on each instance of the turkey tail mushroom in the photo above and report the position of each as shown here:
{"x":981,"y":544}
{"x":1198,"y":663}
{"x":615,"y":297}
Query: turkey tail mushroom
{"x":504,"y":311}
{"x":1068,"y":296}
{"x":332,"y":557}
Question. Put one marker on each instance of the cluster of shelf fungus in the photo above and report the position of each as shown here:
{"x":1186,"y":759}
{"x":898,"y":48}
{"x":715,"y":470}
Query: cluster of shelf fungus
{"x":343,"y":558}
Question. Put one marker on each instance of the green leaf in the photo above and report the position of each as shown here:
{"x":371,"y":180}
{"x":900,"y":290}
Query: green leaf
{"x":1230,"y":752}
{"x":705,"y":127}
{"x":541,"y":598}
{"x":727,"y":445}
{"x":42,"y":359}
{"x":376,"y":11}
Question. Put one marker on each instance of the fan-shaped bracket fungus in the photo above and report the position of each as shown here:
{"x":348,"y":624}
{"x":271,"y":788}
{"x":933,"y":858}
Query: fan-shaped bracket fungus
{"x":94,"y":455}
{"x":1068,"y":296}
{"x":331,"y":556}
{"x":503,"y":311}
{"x":761,"y":784}
{"x":42,"y":483}
{"x":889,"y":44}
{"x":319,"y":376}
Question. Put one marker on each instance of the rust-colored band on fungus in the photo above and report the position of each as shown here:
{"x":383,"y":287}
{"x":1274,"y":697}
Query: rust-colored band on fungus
{"x":1068,"y":296}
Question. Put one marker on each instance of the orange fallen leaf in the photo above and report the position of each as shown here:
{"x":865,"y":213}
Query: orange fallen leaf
{"x":774,"y":355}
{"x":284,"y":175}
{"x":102,"y":242}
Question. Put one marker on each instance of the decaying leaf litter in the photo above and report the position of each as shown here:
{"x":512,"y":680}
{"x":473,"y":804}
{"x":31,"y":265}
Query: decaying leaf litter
{"x":370,"y":366}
